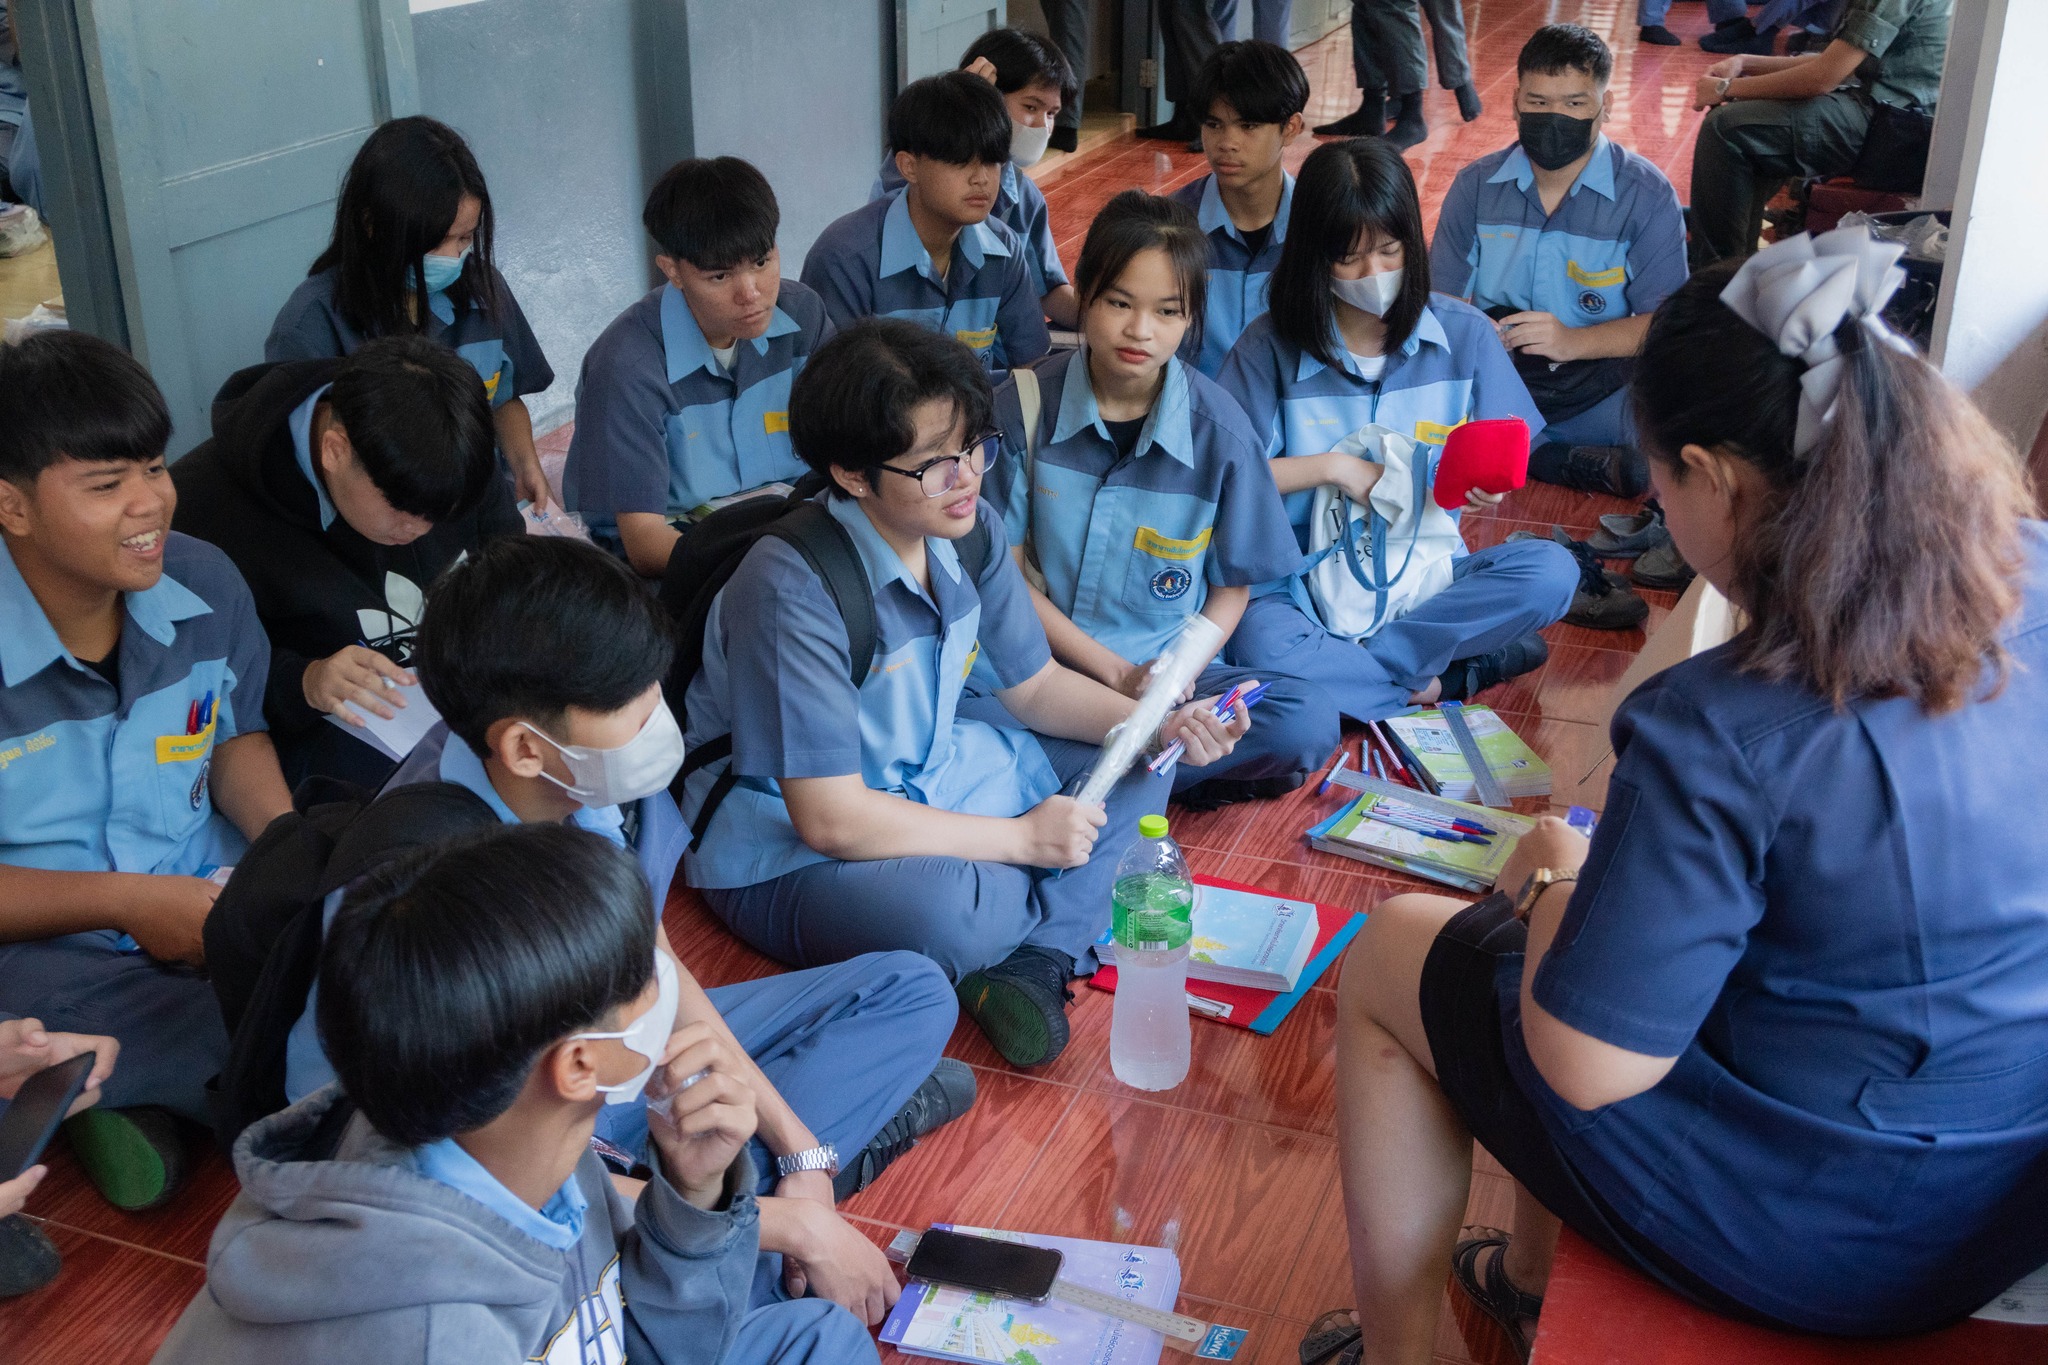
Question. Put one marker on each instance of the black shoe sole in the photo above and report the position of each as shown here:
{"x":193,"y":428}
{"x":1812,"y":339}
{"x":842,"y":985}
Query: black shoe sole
{"x":1024,"y":1029}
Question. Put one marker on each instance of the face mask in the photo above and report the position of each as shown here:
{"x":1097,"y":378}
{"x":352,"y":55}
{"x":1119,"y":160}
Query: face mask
{"x":1027,"y":145}
{"x":1374,"y":294}
{"x":642,"y":766}
{"x":647,"y":1035}
{"x":442,"y":271}
{"x":1554,"y":140}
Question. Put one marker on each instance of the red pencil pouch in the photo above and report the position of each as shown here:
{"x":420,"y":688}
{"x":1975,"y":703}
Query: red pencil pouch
{"x":1491,"y":454}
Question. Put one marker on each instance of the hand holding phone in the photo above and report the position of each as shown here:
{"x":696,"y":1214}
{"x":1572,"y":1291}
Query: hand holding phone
{"x":37,"y":1108}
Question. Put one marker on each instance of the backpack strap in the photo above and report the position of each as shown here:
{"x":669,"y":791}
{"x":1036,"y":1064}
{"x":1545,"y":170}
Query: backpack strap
{"x":1031,"y":403}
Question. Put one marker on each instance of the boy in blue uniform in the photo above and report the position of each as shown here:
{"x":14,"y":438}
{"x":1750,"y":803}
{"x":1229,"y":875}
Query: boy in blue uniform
{"x":1251,"y":95}
{"x":875,"y":817}
{"x":133,"y":758}
{"x":1140,"y":494}
{"x":929,"y":253}
{"x":685,"y":397}
{"x":545,"y":659}
{"x":1034,"y":80}
{"x":1570,"y":242}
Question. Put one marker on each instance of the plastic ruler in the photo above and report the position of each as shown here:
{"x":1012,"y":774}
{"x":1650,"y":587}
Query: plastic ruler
{"x":1490,"y":791}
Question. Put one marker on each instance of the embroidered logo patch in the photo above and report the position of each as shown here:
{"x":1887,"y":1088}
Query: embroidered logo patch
{"x":1171,"y":583}
{"x":1591,"y":302}
{"x":198,"y":795}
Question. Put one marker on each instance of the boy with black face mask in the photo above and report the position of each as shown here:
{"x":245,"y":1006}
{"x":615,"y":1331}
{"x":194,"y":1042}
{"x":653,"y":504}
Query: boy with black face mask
{"x":1569,"y":242}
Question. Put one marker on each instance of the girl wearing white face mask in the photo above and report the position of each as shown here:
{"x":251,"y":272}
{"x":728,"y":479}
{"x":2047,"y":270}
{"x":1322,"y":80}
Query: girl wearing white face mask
{"x":1354,"y":338}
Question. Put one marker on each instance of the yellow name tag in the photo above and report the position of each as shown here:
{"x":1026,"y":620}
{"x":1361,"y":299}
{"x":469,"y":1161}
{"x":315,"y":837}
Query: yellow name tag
{"x":979,"y":341}
{"x":1595,"y":279}
{"x":972,"y":655}
{"x":185,"y":748}
{"x":1432,"y":433}
{"x":773,"y":422}
{"x":1166,"y":547}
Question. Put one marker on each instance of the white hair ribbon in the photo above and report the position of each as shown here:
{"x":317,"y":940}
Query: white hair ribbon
{"x":1798,"y":291}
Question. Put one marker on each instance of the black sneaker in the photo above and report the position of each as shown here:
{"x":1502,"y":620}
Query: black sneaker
{"x":1624,"y":535}
{"x":1604,"y":600}
{"x":1739,"y":36}
{"x":943,"y":1096}
{"x":1656,"y":35}
{"x":1469,"y":107}
{"x":28,"y":1258}
{"x":1020,"y":1004}
{"x":135,"y":1158}
{"x":1621,"y":471}
{"x":1179,"y":128}
{"x":1219,"y":792}
{"x":1467,"y":678}
{"x":1369,"y":119}
{"x":1661,"y":566}
{"x":1064,"y":139}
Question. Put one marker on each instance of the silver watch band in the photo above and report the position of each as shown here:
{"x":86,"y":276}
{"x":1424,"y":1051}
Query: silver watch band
{"x":824,"y":1157}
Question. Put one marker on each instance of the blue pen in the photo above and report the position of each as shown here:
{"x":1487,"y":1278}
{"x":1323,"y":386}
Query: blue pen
{"x":1448,"y":836}
{"x":1458,"y":822}
{"x":1343,"y":757}
{"x":1221,"y":711}
{"x":206,"y":711}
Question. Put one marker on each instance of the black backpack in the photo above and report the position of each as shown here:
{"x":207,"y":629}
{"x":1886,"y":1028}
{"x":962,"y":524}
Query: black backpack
{"x":704,"y":561}
{"x":263,"y":936}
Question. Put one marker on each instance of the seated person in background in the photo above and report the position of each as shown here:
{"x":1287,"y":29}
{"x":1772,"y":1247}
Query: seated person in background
{"x":28,"y":1258}
{"x":845,"y":812}
{"x":1250,"y":95}
{"x":929,"y":253}
{"x":1777,"y":118}
{"x":342,"y":489}
{"x":1034,"y":79}
{"x":411,"y":254}
{"x":13,"y":96}
{"x":1142,"y":495}
{"x":483,"y":1003}
{"x":1569,"y":242}
{"x":545,"y":658}
{"x":1355,"y":338}
{"x":133,"y":758}
{"x":685,"y":397}
{"x":1779,"y":1043}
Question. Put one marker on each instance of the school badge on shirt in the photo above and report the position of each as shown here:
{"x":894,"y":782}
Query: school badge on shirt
{"x":1171,"y":583}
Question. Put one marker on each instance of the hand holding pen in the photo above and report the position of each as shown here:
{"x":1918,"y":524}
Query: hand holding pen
{"x":1228,"y":719}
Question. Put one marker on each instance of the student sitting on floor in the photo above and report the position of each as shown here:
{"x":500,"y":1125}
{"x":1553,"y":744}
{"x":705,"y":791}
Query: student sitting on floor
{"x":411,"y":253}
{"x":1777,"y":1039}
{"x":342,"y":489}
{"x":1250,"y":95}
{"x":484,"y":1003}
{"x":877,"y":817}
{"x":930,"y":253}
{"x":1570,"y":242}
{"x":1034,"y":79}
{"x":1141,"y":495}
{"x":133,"y":758}
{"x":28,"y":1258}
{"x":685,"y":397}
{"x":545,"y":657}
{"x":1355,"y":338}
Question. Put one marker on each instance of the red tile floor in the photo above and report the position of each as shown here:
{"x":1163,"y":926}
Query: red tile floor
{"x":1237,"y":1167}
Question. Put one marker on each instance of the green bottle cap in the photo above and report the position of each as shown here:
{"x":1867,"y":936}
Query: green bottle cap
{"x":1152,"y":826}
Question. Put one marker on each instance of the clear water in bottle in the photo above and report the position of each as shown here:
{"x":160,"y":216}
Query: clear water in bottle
{"x":1153,"y":902}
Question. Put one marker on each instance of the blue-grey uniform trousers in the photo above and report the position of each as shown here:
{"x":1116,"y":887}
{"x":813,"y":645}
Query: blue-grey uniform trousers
{"x":806,"y":1332}
{"x":164,"y":1016}
{"x":1608,"y":422}
{"x":1496,"y":596}
{"x":962,"y":913}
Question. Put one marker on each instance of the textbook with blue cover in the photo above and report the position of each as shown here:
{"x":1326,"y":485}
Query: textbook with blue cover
{"x":1244,"y":938}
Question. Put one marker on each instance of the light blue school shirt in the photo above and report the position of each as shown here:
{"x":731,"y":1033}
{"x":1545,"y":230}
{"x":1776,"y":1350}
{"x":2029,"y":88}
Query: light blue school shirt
{"x":1614,"y":248}
{"x":662,"y":427}
{"x":871,"y":263}
{"x":1020,"y":204}
{"x":1238,"y":280}
{"x":94,"y":779}
{"x":1130,"y":546}
{"x":557,"y":1223}
{"x":775,"y":678}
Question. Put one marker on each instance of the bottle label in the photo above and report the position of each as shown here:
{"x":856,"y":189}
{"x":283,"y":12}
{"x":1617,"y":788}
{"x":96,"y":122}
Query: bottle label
{"x":1154,"y":946}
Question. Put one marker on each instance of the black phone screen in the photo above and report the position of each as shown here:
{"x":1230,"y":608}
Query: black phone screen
{"x":1011,"y":1270}
{"x":37,"y":1108}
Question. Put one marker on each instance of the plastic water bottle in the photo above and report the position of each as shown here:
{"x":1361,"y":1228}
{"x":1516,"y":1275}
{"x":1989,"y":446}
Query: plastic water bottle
{"x":1153,"y":906}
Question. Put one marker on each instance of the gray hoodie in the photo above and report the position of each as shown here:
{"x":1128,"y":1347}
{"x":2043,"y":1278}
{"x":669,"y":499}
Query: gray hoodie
{"x":360,"y":1258}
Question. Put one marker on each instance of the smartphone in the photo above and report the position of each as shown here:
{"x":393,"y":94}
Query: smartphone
{"x":1009,"y":1270}
{"x":37,"y":1108}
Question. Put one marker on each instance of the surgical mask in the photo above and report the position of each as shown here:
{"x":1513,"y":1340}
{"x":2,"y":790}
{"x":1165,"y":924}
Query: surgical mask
{"x":1028,"y":144}
{"x":442,"y":271}
{"x":1553,"y":140}
{"x":647,"y":1035}
{"x":1373,"y":294}
{"x":642,"y":766}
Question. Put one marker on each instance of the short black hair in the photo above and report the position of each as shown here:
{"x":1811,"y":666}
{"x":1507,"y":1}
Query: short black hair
{"x":713,"y":212}
{"x":852,"y":404}
{"x":1023,"y":59}
{"x":420,"y":424}
{"x":1261,"y":81}
{"x":447,"y":973}
{"x":951,"y":117}
{"x":1135,"y":221}
{"x":1557,"y":48}
{"x":1345,"y":188}
{"x":70,"y":395}
{"x":529,"y":626}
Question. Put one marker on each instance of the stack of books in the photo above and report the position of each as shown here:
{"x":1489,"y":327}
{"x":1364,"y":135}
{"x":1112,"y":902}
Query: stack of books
{"x":1243,"y":938}
{"x":1425,"y":741}
{"x":1404,"y":830}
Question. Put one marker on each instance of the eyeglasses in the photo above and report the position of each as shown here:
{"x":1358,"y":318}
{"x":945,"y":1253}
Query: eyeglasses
{"x":941,"y":476}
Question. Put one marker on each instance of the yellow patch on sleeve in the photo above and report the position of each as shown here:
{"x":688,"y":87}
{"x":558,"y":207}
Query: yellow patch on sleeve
{"x":1433,"y":433}
{"x":1163,"y":546}
{"x":972,"y":655}
{"x":773,"y":422}
{"x":491,"y":385}
{"x":1596,"y":279}
{"x":185,"y":748}
{"x":978,"y":341}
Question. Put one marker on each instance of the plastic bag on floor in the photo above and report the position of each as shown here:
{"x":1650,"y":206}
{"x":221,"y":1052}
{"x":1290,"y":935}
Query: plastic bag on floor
{"x":21,"y":230}
{"x":41,"y":318}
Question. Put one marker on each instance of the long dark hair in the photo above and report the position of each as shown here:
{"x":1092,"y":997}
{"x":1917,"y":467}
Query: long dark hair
{"x":1884,"y":563}
{"x":1135,"y":221}
{"x":398,"y":200}
{"x":1346,"y":188}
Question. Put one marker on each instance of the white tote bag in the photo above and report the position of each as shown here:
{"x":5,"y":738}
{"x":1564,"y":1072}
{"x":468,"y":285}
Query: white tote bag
{"x":1371,"y":565}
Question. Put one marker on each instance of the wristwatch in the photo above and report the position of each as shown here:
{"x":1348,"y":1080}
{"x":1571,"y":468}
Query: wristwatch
{"x":824,"y":1157}
{"x":1541,"y":880}
{"x":1722,"y":93}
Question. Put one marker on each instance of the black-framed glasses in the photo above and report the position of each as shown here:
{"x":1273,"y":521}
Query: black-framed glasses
{"x":941,"y":476}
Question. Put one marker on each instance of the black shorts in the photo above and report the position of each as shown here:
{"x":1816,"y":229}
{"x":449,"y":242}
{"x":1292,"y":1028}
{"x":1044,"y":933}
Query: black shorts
{"x":1461,"y":1017}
